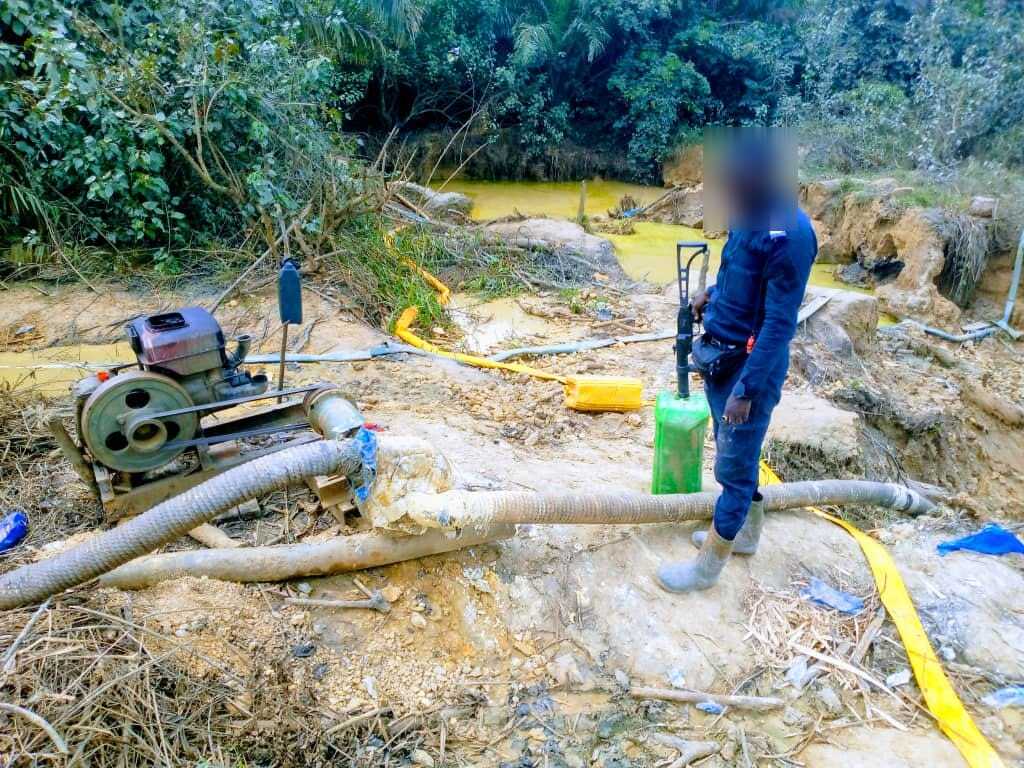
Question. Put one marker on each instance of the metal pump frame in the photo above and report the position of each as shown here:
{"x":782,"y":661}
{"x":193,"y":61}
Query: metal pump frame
{"x":685,"y":320}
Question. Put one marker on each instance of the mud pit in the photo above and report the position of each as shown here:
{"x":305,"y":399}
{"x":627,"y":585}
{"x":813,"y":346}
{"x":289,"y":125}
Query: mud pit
{"x":519,"y":653}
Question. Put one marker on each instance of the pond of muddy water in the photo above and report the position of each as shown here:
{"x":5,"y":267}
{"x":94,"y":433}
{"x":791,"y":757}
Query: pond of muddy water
{"x":648,"y":254}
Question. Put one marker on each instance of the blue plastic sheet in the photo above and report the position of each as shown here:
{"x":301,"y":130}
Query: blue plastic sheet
{"x":1013,"y":696}
{"x":13,"y":528}
{"x":991,"y":540}
{"x":711,"y":707}
{"x":363,"y":484}
{"x":822,"y":594}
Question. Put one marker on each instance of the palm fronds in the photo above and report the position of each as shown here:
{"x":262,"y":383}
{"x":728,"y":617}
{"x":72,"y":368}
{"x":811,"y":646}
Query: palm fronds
{"x":533,"y":43}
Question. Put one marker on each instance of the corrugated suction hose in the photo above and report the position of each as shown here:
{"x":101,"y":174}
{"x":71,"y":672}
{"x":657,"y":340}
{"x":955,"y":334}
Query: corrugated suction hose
{"x":175,"y":517}
{"x":457,"y":509}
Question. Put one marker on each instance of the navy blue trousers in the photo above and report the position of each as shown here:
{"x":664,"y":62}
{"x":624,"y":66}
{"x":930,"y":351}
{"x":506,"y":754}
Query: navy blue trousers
{"x":738,"y":449}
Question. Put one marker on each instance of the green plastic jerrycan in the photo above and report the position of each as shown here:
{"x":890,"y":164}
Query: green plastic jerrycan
{"x":680,"y":424}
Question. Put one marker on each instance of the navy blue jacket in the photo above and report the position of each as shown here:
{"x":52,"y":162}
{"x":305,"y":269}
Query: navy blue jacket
{"x":761,"y":282}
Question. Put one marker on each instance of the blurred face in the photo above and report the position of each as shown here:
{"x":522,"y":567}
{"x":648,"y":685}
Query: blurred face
{"x":750,"y":182}
{"x":749,"y":179}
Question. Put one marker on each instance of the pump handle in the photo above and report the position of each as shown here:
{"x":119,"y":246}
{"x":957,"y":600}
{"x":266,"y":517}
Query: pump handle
{"x":685,"y":319}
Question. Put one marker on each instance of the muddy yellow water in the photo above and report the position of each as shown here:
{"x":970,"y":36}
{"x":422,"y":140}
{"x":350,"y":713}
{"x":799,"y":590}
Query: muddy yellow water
{"x":53,"y":371}
{"x":556,"y":199}
{"x":648,"y":254}
{"x":486,"y":325}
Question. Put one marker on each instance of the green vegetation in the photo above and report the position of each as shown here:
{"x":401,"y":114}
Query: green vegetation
{"x":181,"y":136}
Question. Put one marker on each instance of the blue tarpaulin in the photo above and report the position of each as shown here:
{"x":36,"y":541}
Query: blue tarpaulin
{"x":991,"y":540}
{"x":13,"y":528}
{"x":817,"y":591}
{"x":1012,"y":696}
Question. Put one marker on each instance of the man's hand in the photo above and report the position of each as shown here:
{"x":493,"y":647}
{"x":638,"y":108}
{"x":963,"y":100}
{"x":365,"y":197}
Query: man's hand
{"x":737,"y":410}
{"x":699,"y":302}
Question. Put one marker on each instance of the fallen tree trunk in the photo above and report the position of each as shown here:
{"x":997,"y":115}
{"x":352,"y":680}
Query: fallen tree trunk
{"x":994,"y":405}
{"x":755,"y":703}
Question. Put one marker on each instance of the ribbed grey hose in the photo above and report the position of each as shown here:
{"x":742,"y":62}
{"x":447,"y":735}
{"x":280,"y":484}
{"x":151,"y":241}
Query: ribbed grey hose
{"x":174,"y":518}
{"x":341,"y":554}
{"x":457,"y":509}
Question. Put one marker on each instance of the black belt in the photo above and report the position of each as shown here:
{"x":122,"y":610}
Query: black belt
{"x":718,"y":343}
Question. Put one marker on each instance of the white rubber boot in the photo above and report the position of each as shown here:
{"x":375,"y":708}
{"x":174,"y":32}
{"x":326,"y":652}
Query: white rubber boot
{"x":700,"y":573}
{"x":749,"y":536}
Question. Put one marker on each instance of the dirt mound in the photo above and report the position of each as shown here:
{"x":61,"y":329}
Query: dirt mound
{"x":680,"y":205}
{"x":919,"y":244}
{"x":685,"y":168}
{"x":920,"y":257}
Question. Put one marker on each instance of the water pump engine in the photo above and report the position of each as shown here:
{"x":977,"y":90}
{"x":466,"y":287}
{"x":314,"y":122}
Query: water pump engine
{"x":138,"y":420}
{"x":141,"y":431}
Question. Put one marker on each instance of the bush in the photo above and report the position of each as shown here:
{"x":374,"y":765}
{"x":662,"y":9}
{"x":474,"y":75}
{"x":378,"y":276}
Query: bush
{"x":157,"y":124}
{"x":157,"y":128}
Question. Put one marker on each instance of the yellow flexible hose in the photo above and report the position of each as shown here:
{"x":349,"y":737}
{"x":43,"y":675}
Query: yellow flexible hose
{"x":408,"y":317}
{"x":582,"y":393}
{"x":939,"y":695}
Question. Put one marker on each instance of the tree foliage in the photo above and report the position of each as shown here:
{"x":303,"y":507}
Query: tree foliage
{"x":156,"y":123}
{"x":162,"y":124}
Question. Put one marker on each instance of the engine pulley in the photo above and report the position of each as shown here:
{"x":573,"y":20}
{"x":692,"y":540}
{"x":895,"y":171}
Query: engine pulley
{"x":118,"y":425}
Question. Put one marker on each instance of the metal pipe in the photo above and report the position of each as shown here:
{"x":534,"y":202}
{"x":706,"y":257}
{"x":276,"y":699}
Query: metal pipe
{"x":242,"y":343}
{"x":959,"y":338}
{"x":385,"y":349}
{"x":333,"y":415}
{"x":342,"y":356}
{"x":1011,"y":296}
{"x":72,"y":452}
{"x":284,"y":351}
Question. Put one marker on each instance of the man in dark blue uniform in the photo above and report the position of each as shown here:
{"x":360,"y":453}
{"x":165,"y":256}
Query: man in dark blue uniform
{"x":753,"y":307}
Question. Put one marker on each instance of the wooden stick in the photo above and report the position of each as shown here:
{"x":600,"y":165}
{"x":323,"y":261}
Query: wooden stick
{"x":355,"y":720}
{"x":8,"y":660}
{"x":864,"y":644}
{"x":689,"y":751}
{"x":32,"y":717}
{"x":846,"y":667}
{"x":213,"y":537}
{"x":756,"y":703}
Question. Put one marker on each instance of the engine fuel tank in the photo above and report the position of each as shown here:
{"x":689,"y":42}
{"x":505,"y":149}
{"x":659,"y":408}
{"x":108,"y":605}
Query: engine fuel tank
{"x":184,"y":342}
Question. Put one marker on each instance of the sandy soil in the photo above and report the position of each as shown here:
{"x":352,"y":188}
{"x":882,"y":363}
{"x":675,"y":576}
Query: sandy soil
{"x":544,"y":631}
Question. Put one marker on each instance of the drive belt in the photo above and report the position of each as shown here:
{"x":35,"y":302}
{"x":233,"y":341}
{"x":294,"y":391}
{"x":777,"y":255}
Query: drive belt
{"x":222,"y":404}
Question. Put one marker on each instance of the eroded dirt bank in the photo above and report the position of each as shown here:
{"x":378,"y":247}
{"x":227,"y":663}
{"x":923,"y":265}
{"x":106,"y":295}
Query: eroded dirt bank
{"x":520,"y":653}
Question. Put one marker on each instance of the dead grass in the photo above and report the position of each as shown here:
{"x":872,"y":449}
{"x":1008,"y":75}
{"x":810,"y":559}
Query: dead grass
{"x":33,"y":474}
{"x":968,"y":245}
{"x":94,"y":680}
{"x":25,"y":333}
{"x":805,"y":644}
